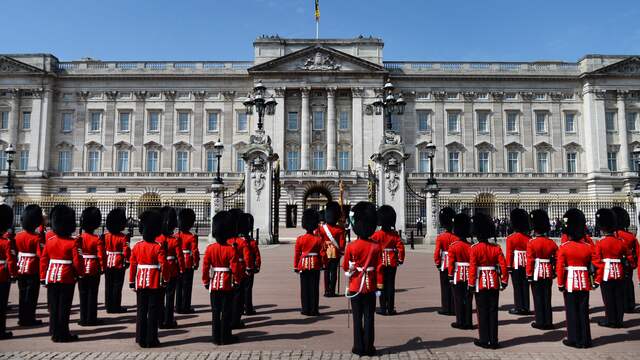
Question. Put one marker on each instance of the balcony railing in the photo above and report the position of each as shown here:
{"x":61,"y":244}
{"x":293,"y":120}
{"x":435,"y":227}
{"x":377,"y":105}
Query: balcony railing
{"x":146,"y":174}
{"x":494,"y":175}
{"x":156,"y":67}
{"x":472,"y":68}
{"x":332,"y":174}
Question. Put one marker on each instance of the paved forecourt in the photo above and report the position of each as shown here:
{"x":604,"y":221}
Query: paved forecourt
{"x":279,"y":331}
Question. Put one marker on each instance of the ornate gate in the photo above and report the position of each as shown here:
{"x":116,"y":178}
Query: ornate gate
{"x":372,"y":186}
{"x":234,"y":198}
{"x":275,"y":195}
{"x":415,"y":208}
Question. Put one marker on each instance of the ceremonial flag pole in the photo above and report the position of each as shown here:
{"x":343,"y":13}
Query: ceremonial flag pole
{"x":317,"y":14}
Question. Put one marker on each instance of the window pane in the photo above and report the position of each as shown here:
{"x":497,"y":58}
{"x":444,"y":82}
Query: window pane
{"x":318,"y":120}
{"x":543,"y":159}
{"x":512,"y":161}
{"x":182,"y":159}
{"x":612,"y":160}
{"x":631,"y":121}
{"x":483,"y":122}
{"x":3,"y":160}
{"x":124,"y":121}
{"x":67,"y":122}
{"x":293,"y":161}
{"x":569,"y":122}
{"x":343,"y":123}
{"x":123,"y":161}
{"x":343,"y":160}
{"x":154,"y":120}
{"x":64,"y":161}
{"x":212,"y":124}
{"x":26,"y":120}
{"x":242,"y":121}
{"x":94,"y":124}
{"x":93,"y":161}
{"x":212,"y":162}
{"x":423,"y":121}
{"x":610,"y":120}
{"x":571,"y":162}
{"x":183,"y":121}
{"x":454,"y":162}
{"x":239,"y":163}
{"x":512,"y":122}
{"x":452,"y":122}
{"x":152,"y":161}
{"x":483,"y":162}
{"x":4,"y":120}
{"x":541,"y":126}
{"x":318,"y":160}
{"x":23,"y":164}
{"x":423,"y":165}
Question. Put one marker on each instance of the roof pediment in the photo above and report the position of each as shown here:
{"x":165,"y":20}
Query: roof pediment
{"x":314,"y":59}
{"x":10,"y":65}
{"x":625,"y":67}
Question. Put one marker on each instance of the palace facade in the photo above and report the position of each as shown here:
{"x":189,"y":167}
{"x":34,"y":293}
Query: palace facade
{"x":502,"y":129}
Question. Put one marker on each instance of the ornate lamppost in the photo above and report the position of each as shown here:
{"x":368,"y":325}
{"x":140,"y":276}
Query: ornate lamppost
{"x":432,"y":191}
{"x":636,"y":162}
{"x":218,"y":149}
{"x":389,"y":103}
{"x":262,"y":106}
{"x":432,"y":183}
{"x":10,"y":153}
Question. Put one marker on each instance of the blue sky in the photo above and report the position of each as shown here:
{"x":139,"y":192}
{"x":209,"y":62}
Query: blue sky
{"x":483,"y":30}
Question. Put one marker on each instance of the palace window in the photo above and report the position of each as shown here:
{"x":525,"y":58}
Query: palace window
{"x":612,"y":160}
{"x":123,"y":121}
{"x":93,"y":160}
{"x":3,"y":160}
{"x":633,"y":159}
{"x":183,"y":121}
{"x":239,"y":163}
{"x":610,"y":120}
{"x":122,"y":163}
{"x":572,"y":165}
{"x":212,"y":122}
{"x":154,"y":121}
{"x":26,"y":120}
{"x":454,"y":162}
{"x":543,"y":162}
{"x":67,"y":122}
{"x":318,"y":120}
{"x":182,"y":161}
{"x":292,"y":121}
{"x":293,"y":160}
{"x":343,"y":160}
{"x":541,"y":122}
{"x":453,"y":122}
{"x":395,"y":122}
{"x":64,"y":161}
{"x":23,"y":159}
{"x":483,"y":122}
{"x":512,"y":121}
{"x":152,"y":160}
{"x":95,"y":121}
{"x":318,"y":160}
{"x":343,"y":120}
{"x":631,"y":121}
{"x":4,"y":120}
{"x":243,"y":122}
{"x":483,"y":161}
{"x":513,"y":161}
{"x":423,"y":165}
{"x":212,"y":161}
{"x":570,"y":122}
{"x":424,"y":121}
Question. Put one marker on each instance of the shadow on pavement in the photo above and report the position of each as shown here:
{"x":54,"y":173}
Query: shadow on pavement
{"x":519,"y":320}
{"x":633,"y":335}
{"x":551,"y":336}
{"x":80,"y":333}
{"x":418,"y":344}
{"x":251,"y":336}
{"x":420,"y":310}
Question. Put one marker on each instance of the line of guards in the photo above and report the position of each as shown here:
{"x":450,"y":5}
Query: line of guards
{"x":579,"y":264}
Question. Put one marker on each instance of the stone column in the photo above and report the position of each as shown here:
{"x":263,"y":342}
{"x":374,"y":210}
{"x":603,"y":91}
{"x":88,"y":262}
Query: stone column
{"x":595,"y":141}
{"x":41,"y":130}
{"x":357,"y":141}
{"x":279,"y":122}
{"x":439,"y":131}
{"x":108,"y":128}
{"x":167,"y":131}
{"x":80,"y":131}
{"x":227,"y":129}
{"x":432,"y":216}
{"x":14,"y":118}
{"x":197,"y":130}
{"x":555,"y":126}
{"x":527,"y":132}
{"x":331,"y":129}
{"x":468,"y":132}
{"x":137,"y":163}
{"x":305,"y":130}
{"x":623,"y":135}
{"x":498,"y":131}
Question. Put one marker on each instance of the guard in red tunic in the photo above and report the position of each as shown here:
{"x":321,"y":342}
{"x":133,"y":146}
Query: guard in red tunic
{"x":7,"y":268}
{"x":333,"y":236}
{"x":117,"y":251}
{"x":487,"y":277}
{"x":630,"y":240}
{"x":244,"y":258}
{"x":441,"y":260}
{"x":253,"y":267}
{"x":541,"y":258}
{"x":363,"y":267}
{"x":175,"y":264}
{"x":93,"y":256}
{"x":148,"y":273}
{"x":610,"y":257}
{"x":189,"y":242}
{"x":517,"y":261}
{"x":220,"y":274}
{"x":458,"y":268}
{"x":572,"y":269}
{"x":60,"y":266}
{"x":392,"y":257}
{"x":308,"y":259}
{"x":29,"y":245}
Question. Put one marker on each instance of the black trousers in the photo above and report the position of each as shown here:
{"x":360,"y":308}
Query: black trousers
{"x":149,"y":310}
{"x":520,"y":289}
{"x":238,"y":303}
{"x":88,"y":289}
{"x":577,"y":309}
{"x":248,"y":294}
{"x":388,"y":297}
{"x":446,"y":295}
{"x":331,"y":277}
{"x":169,"y":302}
{"x":310,"y":291}
{"x":113,"y":281}
{"x":487,"y":307}
{"x":364,"y":306}
{"x":613,"y":298}
{"x":629,"y":291}
{"x":463,"y":300}
{"x":60,"y":297}
{"x":183,"y":290}
{"x":221,"y":316}
{"x":28,"y":289}
{"x":541,"y":290}
{"x":4,"y":300}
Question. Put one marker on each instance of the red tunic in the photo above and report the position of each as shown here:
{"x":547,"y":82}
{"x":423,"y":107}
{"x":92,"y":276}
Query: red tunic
{"x":93,"y":255}
{"x":148,"y":265}
{"x":517,"y":250}
{"x":631,"y":242}
{"x":392,"y":247}
{"x":335,"y":248}
{"x":541,"y":252}
{"x":572,"y":266}
{"x":309,"y":253}
{"x":442,"y":247}
{"x":7,"y":261}
{"x":220,"y":267}
{"x":28,"y":246}
{"x":608,"y":257}
{"x":458,"y":266}
{"x":587,"y":239}
{"x":484,"y":261}
{"x":190,"y":250}
{"x":173,"y":250}
{"x":255,"y":255}
{"x":244,"y":254}
{"x":60,"y":261}
{"x":117,"y":250}
{"x":49,"y":235}
{"x":363,"y":266}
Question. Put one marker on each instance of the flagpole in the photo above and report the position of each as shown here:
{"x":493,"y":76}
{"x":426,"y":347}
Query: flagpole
{"x":317,"y":29}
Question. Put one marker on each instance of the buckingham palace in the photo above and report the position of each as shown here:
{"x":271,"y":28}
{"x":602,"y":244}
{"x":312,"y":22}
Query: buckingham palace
{"x":502,"y":131}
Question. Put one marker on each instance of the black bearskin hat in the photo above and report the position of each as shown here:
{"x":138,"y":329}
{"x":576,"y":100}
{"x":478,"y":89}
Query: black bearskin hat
{"x":6,"y":218}
{"x":482,"y":227}
{"x":90,"y":219}
{"x":386,"y":217}
{"x":622,"y":217}
{"x":445,"y":217}
{"x":31,"y":217}
{"x":310,"y":220}
{"x":462,"y":226}
{"x":186,"y":219}
{"x":606,"y":220}
{"x":221,"y":227}
{"x":63,"y":221}
{"x":332,"y":213}
{"x":540,"y":221}
{"x":245,"y":224}
{"x":519,"y":220}
{"x":116,"y":220}
{"x":151,"y":224}
{"x":52,"y":211}
{"x":364,"y":219}
{"x":321,"y":216}
{"x":574,"y":224}
{"x":235,"y":214}
{"x":169,"y":220}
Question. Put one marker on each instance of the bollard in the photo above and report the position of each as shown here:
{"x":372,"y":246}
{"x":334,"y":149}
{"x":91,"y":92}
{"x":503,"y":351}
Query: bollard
{"x":400,"y":233}
{"x":258,"y":235}
{"x":412,"y":242}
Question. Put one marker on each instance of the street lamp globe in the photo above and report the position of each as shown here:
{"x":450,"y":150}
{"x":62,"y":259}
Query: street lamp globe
{"x":270,"y":105}
{"x":430,"y":148}
{"x":248,"y":104}
{"x":218,"y":148}
{"x":10,"y":151}
{"x":400,"y":104}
